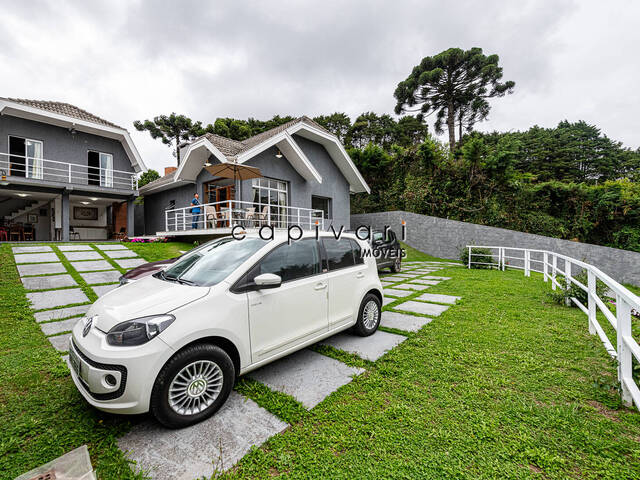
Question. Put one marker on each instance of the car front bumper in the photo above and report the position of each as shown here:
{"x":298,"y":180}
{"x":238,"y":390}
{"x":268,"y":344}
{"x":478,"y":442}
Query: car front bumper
{"x":115,"y":379}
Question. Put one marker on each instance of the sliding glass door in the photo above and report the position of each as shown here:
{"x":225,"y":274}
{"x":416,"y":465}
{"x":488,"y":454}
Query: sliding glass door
{"x":106,"y":170}
{"x":25,"y":157}
{"x":100,"y":169}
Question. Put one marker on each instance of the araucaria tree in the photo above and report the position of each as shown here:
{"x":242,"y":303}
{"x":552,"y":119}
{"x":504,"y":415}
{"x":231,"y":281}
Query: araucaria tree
{"x":171,"y":130}
{"x":455,"y":85}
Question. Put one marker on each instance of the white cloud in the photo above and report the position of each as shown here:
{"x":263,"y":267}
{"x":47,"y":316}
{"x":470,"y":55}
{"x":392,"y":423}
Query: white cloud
{"x":127,"y":61}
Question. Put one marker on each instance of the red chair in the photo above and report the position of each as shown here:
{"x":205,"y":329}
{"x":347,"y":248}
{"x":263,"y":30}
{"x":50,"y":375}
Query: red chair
{"x":4,"y":236}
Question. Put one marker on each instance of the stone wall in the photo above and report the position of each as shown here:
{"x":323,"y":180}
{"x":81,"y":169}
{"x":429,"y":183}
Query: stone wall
{"x":443,"y":238}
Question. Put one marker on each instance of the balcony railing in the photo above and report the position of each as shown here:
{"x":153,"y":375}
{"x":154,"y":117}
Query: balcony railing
{"x":229,"y":213}
{"x":17,"y":166}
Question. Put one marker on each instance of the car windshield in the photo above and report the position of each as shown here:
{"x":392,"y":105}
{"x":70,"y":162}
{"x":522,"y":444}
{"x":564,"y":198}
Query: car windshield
{"x":211,"y":263}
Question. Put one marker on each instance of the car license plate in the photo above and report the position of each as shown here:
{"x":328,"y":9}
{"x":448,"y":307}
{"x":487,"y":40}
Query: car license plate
{"x":75,"y":363}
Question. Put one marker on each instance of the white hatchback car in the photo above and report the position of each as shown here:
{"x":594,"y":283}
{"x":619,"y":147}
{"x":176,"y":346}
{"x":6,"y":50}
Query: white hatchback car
{"x":174,"y":343}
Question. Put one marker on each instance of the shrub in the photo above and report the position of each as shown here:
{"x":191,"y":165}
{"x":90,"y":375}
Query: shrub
{"x":562,"y":296}
{"x":482,"y":255}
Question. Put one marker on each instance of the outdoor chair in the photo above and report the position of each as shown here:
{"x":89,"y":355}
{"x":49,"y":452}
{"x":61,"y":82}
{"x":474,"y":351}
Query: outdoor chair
{"x":28,"y":234}
{"x":250,"y":215}
{"x":73,"y":235}
{"x":15,"y":233}
{"x":121,"y":235}
{"x":224,"y":218}
{"x":4,"y":235}
{"x":264,"y":215}
{"x":211,"y":216}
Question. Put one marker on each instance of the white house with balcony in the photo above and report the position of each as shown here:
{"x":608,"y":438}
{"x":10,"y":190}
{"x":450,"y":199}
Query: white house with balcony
{"x":65,"y":174}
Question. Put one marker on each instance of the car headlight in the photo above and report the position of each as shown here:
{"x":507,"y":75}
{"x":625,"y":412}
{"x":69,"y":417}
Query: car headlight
{"x":139,"y":330}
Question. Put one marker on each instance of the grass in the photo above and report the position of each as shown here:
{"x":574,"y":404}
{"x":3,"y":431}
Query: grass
{"x":502,"y":385}
{"x":42,"y":414}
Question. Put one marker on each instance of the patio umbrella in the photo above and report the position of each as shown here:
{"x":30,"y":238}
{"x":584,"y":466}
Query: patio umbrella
{"x":234,"y":170}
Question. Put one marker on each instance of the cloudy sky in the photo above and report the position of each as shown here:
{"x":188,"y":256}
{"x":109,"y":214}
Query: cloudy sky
{"x":132,"y":60}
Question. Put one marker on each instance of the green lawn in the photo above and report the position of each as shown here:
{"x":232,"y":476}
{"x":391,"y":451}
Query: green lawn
{"x":501,"y":385}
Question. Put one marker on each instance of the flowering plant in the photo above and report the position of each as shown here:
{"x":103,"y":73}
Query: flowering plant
{"x":148,"y":240}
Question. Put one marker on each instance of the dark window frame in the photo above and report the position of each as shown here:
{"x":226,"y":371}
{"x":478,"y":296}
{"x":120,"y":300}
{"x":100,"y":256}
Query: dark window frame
{"x":329,"y":200}
{"x":247,"y":278}
{"x":326,"y":256}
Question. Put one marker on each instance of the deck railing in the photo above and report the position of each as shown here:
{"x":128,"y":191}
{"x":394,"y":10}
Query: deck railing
{"x":229,"y":213}
{"x":63,"y":172}
{"x":550,"y":265}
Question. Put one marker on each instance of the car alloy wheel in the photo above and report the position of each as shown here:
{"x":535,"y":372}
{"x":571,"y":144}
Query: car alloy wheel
{"x":195,"y":387}
{"x":370,"y":314}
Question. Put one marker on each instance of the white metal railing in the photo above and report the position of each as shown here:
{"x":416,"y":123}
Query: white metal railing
{"x":64,"y":172}
{"x":551,"y":264}
{"x":228,"y":213}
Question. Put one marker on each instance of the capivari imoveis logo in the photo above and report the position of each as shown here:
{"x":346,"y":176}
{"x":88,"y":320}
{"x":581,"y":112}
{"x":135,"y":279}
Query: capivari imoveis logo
{"x":383,"y":243}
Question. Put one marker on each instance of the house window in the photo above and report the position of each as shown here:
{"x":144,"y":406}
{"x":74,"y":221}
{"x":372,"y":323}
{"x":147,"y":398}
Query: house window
{"x":25,"y":157}
{"x":100,"y":169}
{"x":271,"y":198}
{"x":322,"y":203}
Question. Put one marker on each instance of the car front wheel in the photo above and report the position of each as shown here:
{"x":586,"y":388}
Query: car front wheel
{"x":192,"y":386}
{"x":368,"y":316}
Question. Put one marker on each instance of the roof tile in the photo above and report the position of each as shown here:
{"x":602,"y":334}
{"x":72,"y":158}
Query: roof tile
{"x":63,"y":109}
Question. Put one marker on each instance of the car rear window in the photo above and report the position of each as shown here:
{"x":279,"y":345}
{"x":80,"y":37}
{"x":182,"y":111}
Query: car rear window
{"x":339,"y":253}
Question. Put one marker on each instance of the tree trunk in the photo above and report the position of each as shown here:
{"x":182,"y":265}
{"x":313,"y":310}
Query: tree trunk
{"x":451,"y":124}
{"x":178,"y":149}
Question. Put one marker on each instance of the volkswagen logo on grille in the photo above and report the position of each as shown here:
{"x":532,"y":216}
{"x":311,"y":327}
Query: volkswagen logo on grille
{"x":87,"y":326}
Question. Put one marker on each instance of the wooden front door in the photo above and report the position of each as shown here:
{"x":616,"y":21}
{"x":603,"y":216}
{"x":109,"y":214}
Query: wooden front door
{"x":214,"y":194}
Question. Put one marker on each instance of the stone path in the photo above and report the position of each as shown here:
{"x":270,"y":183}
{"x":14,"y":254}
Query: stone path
{"x":370,"y":348}
{"x":305,"y":375}
{"x":201,"y":450}
{"x":54,"y":293}
{"x":409,"y":314}
{"x":218,"y":443}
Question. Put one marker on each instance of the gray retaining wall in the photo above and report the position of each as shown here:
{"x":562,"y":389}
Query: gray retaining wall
{"x":443,"y":238}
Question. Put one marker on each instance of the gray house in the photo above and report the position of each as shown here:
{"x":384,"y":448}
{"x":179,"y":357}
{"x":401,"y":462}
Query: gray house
{"x":64,"y":173}
{"x":305,"y":178}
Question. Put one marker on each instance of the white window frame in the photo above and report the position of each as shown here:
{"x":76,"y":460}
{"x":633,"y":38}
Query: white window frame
{"x":36,"y":167}
{"x":105,"y":174}
{"x":257,"y":184}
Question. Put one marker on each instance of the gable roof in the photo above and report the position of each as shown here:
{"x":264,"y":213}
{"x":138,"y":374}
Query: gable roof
{"x":63,"y":109}
{"x":69,"y":116}
{"x":233,"y":148}
{"x":227,"y":150}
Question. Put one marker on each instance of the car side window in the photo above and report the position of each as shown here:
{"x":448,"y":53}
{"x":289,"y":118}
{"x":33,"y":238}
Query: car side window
{"x":357,"y":252}
{"x":291,"y":262}
{"x":339,"y":253}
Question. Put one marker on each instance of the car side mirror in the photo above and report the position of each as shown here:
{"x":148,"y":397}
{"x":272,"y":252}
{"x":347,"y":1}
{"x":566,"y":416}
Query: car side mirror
{"x":267,"y":280}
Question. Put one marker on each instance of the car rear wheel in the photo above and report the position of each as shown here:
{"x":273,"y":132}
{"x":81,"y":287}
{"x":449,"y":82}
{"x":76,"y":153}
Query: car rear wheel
{"x":368,"y":316}
{"x":192,"y":386}
{"x":397,"y":266}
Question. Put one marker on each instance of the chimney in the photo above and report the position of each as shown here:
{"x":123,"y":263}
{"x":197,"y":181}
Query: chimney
{"x":168,"y":170}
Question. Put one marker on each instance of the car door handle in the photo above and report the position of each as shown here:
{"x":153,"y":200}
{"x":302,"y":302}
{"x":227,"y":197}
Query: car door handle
{"x":360,"y":275}
{"x":320,"y":286}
